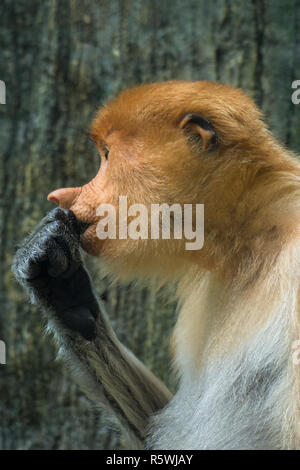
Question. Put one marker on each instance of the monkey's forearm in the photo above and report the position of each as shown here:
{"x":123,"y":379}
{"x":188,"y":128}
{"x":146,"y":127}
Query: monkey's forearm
{"x":117,"y":379}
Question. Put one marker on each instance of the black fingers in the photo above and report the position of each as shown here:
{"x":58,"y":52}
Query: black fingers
{"x":49,"y":266}
{"x":54,"y":250}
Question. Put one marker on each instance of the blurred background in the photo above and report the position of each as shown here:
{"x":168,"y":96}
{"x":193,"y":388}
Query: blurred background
{"x":60,"y":60}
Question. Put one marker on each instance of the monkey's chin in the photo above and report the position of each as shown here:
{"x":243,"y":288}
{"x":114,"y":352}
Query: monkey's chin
{"x":90,"y":243}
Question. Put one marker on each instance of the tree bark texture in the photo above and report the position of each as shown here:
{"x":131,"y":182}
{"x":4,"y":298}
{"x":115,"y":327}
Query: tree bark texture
{"x":60,"y":60}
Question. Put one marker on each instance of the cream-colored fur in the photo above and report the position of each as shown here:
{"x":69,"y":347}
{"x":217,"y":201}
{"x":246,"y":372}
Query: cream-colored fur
{"x":233,"y":352}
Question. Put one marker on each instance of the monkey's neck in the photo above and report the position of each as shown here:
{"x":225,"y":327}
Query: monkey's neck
{"x":218,"y":319}
{"x":233,"y":351}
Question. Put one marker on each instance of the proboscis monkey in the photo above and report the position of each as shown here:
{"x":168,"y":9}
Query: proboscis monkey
{"x":184,"y":142}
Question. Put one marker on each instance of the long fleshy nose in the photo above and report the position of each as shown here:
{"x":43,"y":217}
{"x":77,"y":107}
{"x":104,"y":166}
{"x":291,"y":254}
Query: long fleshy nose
{"x":64,"y":197}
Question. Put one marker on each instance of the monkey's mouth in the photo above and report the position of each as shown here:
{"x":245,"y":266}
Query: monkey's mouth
{"x":84,"y":220}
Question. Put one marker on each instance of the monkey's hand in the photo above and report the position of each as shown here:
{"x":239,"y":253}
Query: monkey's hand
{"x":49,"y":266}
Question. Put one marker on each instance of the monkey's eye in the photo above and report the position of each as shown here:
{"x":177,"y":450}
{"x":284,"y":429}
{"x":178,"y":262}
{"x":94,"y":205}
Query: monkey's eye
{"x":106,"y":152}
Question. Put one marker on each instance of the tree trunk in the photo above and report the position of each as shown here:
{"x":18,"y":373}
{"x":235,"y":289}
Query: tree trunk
{"x":60,"y":60}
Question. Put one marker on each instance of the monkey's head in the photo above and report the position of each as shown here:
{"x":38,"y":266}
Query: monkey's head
{"x":173,"y":143}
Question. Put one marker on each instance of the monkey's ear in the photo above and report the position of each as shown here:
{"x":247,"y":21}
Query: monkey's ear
{"x":198,"y":126}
